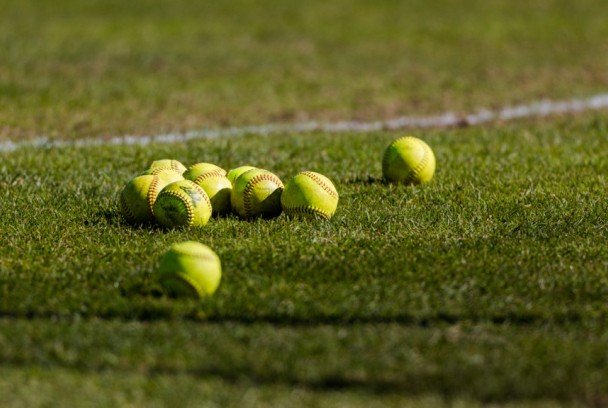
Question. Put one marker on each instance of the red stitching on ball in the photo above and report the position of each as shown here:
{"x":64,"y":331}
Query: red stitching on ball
{"x":321,"y":183}
{"x":183,"y":199}
{"x":175,"y":165}
{"x":203,"y":194}
{"x":126,"y":209}
{"x":409,"y":179}
{"x":197,"y":288}
{"x":423,"y":162}
{"x":152,"y":196}
{"x":212,"y":173}
{"x":251,"y":185}
{"x":307,"y":210}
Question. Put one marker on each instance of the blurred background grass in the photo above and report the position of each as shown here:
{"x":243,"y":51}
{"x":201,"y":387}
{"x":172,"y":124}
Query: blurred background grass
{"x":75,"y":68}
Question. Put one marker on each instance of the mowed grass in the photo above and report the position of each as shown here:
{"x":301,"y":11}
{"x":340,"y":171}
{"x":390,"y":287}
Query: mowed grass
{"x":488,"y":284}
{"x":105,"y":67}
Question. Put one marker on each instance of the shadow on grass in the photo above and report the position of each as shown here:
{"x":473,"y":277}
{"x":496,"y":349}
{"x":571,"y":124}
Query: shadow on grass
{"x":366,"y":180}
{"x":407,"y":383}
{"x":116,"y":219}
{"x":245,"y":377}
{"x":191,"y":312}
{"x":105,"y":217}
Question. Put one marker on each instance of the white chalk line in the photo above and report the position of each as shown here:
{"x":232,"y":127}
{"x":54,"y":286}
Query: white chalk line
{"x":445,"y":120}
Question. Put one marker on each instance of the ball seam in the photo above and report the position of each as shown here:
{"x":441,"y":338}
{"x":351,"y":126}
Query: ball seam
{"x":332,"y":193}
{"x":183,"y":199}
{"x":307,"y":210}
{"x":204,"y":257}
{"x":155,"y":171}
{"x":152,"y":196}
{"x":416,"y":170}
{"x":126,"y":209}
{"x":205,"y":197}
{"x":199,"y":290}
{"x":174,"y":165}
{"x":421,"y":165}
{"x":208,"y":174}
{"x":251,"y":185}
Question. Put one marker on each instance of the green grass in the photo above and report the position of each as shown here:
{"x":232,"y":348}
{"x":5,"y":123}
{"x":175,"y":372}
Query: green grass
{"x":488,"y":284}
{"x":71,"y":68}
{"x":41,"y":387}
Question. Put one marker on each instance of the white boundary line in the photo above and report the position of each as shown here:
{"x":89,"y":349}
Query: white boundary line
{"x":445,"y":120}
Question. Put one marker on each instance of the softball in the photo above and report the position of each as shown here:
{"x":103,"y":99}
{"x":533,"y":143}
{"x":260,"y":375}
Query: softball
{"x":164,"y":173}
{"x":309,"y":195}
{"x":138,"y":197}
{"x":218,"y":189}
{"x":257,"y":193}
{"x":233,"y":174}
{"x":172,"y":164}
{"x":198,"y":169}
{"x":190,"y":269}
{"x":408,"y":160}
{"x":182,"y":204}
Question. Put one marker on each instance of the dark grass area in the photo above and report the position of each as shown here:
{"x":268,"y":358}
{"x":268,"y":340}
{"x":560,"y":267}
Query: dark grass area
{"x":476,"y":362}
{"x":488,"y":284}
{"x":43,"y":387}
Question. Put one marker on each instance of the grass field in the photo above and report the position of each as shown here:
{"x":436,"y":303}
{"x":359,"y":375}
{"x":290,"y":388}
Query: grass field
{"x":72,"y":68}
{"x":488,"y":285}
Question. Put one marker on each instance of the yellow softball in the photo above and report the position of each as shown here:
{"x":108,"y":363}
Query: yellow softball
{"x":170,"y":163}
{"x":190,"y":269}
{"x":182,"y":204}
{"x":213,"y":180}
{"x":165,"y":173}
{"x":138,"y":197}
{"x":198,"y":169}
{"x":233,"y":174}
{"x":408,"y":160}
{"x":310,"y":195}
{"x":218,"y":189}
{"x":256,"y":193}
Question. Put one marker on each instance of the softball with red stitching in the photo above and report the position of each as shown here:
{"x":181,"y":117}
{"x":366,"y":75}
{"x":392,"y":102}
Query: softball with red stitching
{"x":408,"y":160}
{"x":165,"y":173}
{"x":257,"y":193}
{"x":233,"y":174}
{"x":215,"y":183}
{"x":310,"y":195}
{"x":182,"y":204}
{"x":198,"y":169}
{"x":170,"y":163}
{"x":190,"y":269}
{"x":138,"y":197}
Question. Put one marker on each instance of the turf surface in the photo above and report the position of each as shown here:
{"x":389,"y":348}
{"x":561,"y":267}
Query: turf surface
{"x":487,"y":285}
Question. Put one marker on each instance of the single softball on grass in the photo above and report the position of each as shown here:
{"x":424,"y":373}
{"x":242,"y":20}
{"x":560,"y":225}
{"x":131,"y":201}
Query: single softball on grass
{"x":213,"y":180}
{"x":169,"y":163}
{"x":138,"y":197}
{"x":182,"y":204}
{"x":233,"y":174}
{"x":257,"y":193}
{"x":408,"y":160}
{"x":190,"y":269}
{"x":309,"y":195}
